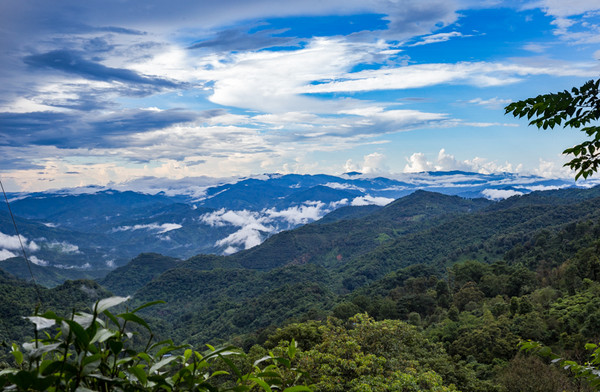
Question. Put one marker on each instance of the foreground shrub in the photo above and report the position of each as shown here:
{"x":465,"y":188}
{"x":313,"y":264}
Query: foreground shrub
{"x":95,"y":352}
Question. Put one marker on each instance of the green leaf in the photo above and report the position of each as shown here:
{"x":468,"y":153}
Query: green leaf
{"x":81,"y":337}
{"x":18,"y":357}
{"x":112,"y":318}
{"x":232,"y":366}
{"x":162,"y":363}
{"x":262,"y":384}
{"x":292,"y":349}
{"x":298,"y":388}
{"x":115,"y":346}
{"x":139,"y":373}
{"x":135,"y":319}
{"x":146,"y":305}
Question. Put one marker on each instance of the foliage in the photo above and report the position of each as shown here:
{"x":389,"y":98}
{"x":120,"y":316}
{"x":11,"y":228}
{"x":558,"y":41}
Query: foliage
{"x":517,"y":376}
{"x":578,"y":108}
{"x":368,"y":355}
{"x":475,"y":283}
{"x":94,"y":352}
{"x":589,"y":371}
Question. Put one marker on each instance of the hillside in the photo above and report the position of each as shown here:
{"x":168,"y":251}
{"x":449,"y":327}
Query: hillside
{"x":20,"y":299}
{"x":99,"y":228}
{"x":229,"y":295}
{"x":328,"y":243}
{"x":474,"y":276}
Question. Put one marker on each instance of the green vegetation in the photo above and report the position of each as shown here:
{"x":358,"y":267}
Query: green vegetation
{"x":450,"y":286}
{"x":578,"y":108}
{"x":94,"y":352}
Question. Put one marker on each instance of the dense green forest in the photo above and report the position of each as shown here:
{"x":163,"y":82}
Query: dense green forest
{"x":431,"y":292}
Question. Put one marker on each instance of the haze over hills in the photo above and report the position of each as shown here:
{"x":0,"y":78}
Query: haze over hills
{"x":303,"y":273}
{"x":474,"y":275}
{"x":100,"y":228}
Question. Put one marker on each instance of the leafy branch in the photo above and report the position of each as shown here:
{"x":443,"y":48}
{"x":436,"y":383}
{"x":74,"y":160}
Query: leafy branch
{"x":580,"y":109}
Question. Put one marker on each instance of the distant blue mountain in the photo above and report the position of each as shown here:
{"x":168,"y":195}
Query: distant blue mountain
{"x":96,"y":228}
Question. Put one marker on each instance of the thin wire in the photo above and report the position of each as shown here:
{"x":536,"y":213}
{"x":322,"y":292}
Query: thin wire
{"x":37,"y":289}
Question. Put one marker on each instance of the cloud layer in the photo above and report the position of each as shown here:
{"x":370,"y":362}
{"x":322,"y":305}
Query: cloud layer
{"x":116,"y":91}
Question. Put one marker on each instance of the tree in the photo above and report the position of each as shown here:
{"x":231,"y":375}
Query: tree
{"x":578,"y":108}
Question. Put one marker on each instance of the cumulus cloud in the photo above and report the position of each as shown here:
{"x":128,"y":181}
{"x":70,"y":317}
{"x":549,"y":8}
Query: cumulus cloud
{"x":256,"y":226}
{"x":63,"y":247}
{"x":6,"y":254}
{"x":553,"y":169}
{"x":500,"y":194}
{"x":299,"y":215}
{"x":341,"y":185}
{"x":369,"y":200}
{"x":578,"y":31}
{"x":11,"y":242}
{"x":371,"y":164}
{"x":418,"y":162}
{"x":160,"y":229}
{"x":37,"y":261}
{"x":252,"y":226}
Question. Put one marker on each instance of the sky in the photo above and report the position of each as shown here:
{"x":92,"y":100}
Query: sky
{"x":100,"y":92}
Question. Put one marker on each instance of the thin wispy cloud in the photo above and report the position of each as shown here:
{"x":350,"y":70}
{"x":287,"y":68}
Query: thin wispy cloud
{"x":160,"y":229}
{"x":99,"y":92}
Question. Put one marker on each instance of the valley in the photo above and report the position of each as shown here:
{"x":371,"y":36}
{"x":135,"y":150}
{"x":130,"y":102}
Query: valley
{"x":472,"y":276}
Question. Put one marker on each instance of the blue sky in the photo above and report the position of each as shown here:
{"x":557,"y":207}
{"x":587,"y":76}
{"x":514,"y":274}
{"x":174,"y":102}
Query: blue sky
{"x":109,"y":91}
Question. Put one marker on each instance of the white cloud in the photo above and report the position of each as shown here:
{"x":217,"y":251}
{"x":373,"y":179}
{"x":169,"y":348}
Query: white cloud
{"x":255,"y":226}
{"x":583,"y":32}
{"x":300,"y":215}
{"x":6,"y":254}
{"x":273,"y":81}
{"x":369,"y":200}
{"x":342,"y":185}
{"x":37,"y":261}
{"x":535,"y":188}
{"x":536,"y":48}
{"x":241,"y":218}
{"x":499,"y":194}
{"x":492,"y":103}
{"x":371,"y":164}
{"x":64,"y":247}
{"x":553,"y":169}
{"x":163,"y":228}
{"x":481,"y":74}
{"x":11,"y":242}
{"x":230,"y":250}
{"x":440,"y":37}
{"x":418,"y":162}
{"x":252,"y":227}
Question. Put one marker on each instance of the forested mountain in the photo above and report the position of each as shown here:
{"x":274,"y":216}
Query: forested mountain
{"x":471,"y":275}
{"x":95,"y":229}
{"x":224,"y":296}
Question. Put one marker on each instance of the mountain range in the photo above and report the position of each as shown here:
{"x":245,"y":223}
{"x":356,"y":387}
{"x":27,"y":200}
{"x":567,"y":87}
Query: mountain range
{"x":86,"y":232}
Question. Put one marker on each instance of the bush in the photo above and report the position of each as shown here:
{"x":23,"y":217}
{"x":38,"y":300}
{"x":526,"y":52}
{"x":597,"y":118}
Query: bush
{"x":97,"y":352}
